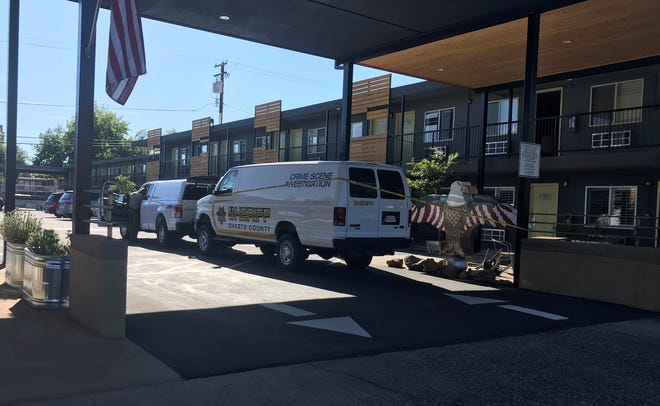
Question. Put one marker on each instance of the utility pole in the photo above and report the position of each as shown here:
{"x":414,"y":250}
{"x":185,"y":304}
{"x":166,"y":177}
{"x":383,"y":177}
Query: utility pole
{"x":219,"y":86}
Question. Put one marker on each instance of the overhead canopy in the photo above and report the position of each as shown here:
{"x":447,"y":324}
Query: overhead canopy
{"x":468,"y":43}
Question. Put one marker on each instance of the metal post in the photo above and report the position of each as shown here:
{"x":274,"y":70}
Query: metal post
{"x":12,"y":103}
{"x":510,"y":126}
{"x":82,"y":171}
{"x":402,"y":129}
{"x":481,"y":165}
{"x":527,"y":134}
{"x":346,"y":106}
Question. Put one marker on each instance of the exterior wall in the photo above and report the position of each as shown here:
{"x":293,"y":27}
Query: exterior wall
{"x":593,"y":271}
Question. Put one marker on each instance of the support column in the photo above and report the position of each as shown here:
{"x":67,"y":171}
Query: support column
{"x":12,"y":107}
{"x":82,"y":170}
{"x":481,"y":165}
{"x":527,"y":134}
{"x":402,"y":128}
{"x":346,"y":106}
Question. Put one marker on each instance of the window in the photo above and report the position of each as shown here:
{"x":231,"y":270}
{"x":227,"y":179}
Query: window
{"x":363,"y":183}
{"x":390,"y":181}
{"x":238,"y":151}
{"x":200,"y":148}
{"x":214,"y":149}
{"x":378,"y":126}
{"x":226,"y":184}
{"x":265,"y":141}
{"x":356,"y":129}
{"x":498,"y":117}
{"x":611,"y":206}
{"x":316,"y":140}
{"x":438,"y":125}
{"x":490,"y":234}
{"x":613,"y":139}
{"x":506,"y":194}
{"x":497,"y":147}
{"x":616,"y":96}
{"x":114,"y":171}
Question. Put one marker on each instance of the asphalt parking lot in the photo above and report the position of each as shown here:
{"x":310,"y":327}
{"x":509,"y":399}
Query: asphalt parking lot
{"x":234,"y":311}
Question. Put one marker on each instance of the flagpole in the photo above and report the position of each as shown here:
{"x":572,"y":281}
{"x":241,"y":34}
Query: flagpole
{"x":92,"y":35}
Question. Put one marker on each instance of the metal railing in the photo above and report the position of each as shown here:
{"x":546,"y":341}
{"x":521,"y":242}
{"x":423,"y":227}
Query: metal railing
{"x":642,"y":231}
{"x":177,"y":169}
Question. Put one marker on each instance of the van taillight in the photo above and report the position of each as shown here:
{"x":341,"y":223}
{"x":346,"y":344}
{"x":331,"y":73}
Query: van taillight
{"x":178,"y":211}
{"x":339,"y":216}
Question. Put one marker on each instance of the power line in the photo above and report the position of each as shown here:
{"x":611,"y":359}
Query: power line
{"x":38,"y":104}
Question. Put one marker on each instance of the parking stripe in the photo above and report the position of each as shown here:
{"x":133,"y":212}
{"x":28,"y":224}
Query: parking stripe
{"x":534,"y":312}
{"x":290,"y":310}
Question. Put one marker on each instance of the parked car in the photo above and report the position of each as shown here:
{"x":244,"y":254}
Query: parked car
{"x":169,"y":207}
{"x":119,"y":207}
{"x":65,"y":205}
{"x":51,"y":203}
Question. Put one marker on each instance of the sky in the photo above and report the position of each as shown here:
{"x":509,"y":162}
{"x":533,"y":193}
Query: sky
{"x":177,"y":88}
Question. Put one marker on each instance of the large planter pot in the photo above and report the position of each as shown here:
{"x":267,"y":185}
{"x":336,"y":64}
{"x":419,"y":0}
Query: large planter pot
{"x":14,"y":264}
{"x":46,"y":280}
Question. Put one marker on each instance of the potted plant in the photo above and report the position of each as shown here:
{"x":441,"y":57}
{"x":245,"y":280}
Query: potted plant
{"x":15,"y":228}
{"x":47,"y":265}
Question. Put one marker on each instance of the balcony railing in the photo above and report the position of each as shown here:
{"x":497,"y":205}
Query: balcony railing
{"x":595,"y":131}
{"x":178,"y":169}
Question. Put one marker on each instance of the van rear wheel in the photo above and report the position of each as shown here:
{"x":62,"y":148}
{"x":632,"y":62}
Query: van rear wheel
{"x":290,"y":253}
{"x":358,"y":262}
{"x":205,"y":241}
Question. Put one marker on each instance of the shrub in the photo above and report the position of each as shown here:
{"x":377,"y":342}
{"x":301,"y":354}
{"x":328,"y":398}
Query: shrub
{"x":46,"y":242}
{"x":17,"y":226}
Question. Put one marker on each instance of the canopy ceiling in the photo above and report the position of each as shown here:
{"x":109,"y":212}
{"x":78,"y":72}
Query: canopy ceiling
{"x":468,"y":43}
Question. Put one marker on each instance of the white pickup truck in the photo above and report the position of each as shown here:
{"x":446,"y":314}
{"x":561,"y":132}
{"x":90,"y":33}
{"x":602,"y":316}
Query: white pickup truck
{"x":169,"y":207}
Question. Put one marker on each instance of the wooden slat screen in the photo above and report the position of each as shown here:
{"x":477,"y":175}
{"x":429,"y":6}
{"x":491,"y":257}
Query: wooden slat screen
{"x":372,"y":148}
{"x":262,"y":155}
{"x":371,"y":95}
{"x":199,"y":165}
{"x":153,"y":140}
{"x":201,"y":129}
{"x":268,"y":115}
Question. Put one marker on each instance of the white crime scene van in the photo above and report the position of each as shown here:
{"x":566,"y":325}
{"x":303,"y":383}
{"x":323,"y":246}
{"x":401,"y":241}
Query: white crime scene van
{"x":352,"y":210}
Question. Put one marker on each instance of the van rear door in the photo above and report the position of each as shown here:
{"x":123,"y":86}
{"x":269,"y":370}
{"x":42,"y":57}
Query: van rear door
{"x":392,"y":203}
{"x":362,"y":213}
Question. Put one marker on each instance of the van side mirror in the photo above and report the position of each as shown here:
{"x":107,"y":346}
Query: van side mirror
{"x":222,"y":191}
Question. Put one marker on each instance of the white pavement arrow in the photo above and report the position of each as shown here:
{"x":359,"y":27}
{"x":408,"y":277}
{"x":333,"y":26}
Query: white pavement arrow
{"x":339,"y":324}
{"x":473,"y":300}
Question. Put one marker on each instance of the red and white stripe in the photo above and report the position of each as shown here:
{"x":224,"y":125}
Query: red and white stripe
{"x":126,"y":59}
{"x":429,"y":213}
{"x":501,"y":215}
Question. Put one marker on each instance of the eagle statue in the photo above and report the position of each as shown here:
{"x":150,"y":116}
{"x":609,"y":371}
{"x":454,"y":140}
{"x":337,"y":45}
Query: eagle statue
{"x":461,"y":213}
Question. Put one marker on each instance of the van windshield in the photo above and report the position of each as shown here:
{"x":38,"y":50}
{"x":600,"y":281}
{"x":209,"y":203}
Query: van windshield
{"x":390,"y":181}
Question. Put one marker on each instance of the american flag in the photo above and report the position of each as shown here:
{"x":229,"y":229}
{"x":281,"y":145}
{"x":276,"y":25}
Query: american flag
{"x":125,"y":50}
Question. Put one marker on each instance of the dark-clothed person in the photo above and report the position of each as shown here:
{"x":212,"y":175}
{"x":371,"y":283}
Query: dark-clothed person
{"x":134,"y":203}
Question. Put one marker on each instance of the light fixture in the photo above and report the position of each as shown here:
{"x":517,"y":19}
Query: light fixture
{"x":565,"y":182}
{"x":440,"y":69}
{"x":224,"y":18}
{"x":567,"y":41}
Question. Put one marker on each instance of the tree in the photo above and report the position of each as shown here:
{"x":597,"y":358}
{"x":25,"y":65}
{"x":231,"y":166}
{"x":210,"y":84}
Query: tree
{"x":430,"y":174}
{"x":21,"y":156}
{"x":56,"y":146}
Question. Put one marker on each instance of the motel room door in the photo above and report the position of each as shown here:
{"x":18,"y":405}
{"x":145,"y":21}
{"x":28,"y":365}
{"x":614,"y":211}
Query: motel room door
{"x":543,"y":205}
